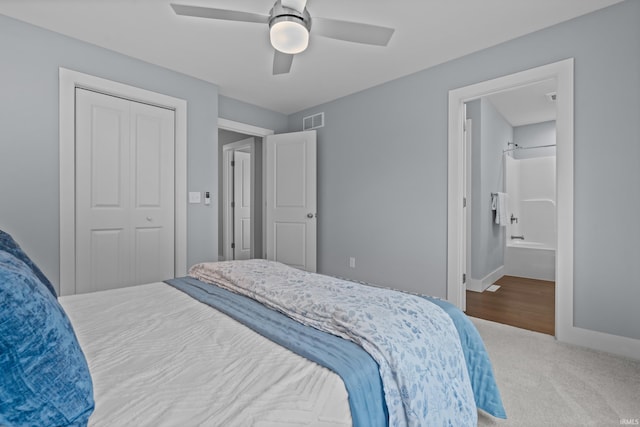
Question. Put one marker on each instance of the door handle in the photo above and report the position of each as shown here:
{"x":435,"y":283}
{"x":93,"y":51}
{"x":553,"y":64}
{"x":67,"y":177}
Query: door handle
{"x":310,"y":215}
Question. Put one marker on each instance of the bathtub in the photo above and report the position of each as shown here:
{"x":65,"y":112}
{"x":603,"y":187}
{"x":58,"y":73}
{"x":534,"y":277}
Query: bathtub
{"x":534,"y":260}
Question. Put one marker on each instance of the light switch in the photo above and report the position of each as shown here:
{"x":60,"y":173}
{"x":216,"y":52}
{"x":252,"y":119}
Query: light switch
{"x":194,"y":197}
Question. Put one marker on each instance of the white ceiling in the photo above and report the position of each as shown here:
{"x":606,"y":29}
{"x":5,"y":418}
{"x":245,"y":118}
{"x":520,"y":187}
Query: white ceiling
{"x":237,"y":56}
{"x":526,"y":105}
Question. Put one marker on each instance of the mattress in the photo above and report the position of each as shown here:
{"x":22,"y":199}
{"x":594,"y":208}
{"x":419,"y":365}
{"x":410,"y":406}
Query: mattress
{"x":159,"y":357}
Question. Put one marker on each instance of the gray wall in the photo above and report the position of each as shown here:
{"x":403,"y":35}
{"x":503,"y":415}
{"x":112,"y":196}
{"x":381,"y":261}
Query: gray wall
{"x":534,"y":135}
{"x":382,"y":165}
{"x":29,"y":190}
{"x":232,"y":109}
{"x":490,"y":135}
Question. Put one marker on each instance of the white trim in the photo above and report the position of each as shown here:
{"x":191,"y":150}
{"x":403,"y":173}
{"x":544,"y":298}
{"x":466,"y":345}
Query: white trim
{"x":69,"y":80}
{"x":562,"y":73}
{"x":615,"y":344}
{"x":243,"y":128}
{"x":480,"y":285}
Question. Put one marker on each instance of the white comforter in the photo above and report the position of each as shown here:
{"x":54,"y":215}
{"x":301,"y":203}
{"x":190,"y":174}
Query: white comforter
{"x":160,"y":358}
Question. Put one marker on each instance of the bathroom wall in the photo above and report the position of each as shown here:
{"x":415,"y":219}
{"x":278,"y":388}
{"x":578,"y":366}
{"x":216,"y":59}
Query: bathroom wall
{"x":490,"y":135}
{"x":534,"y":135}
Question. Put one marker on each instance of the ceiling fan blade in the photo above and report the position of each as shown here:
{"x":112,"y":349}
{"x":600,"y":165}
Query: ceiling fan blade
{"x":281,"y":62}
{"x":298,"y":5}
{"x":352,"y":31}
{"x":211,"y":13}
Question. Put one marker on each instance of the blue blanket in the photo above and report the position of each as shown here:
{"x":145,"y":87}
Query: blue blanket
{"x":355,"y":366}
{"x":483,"y":383}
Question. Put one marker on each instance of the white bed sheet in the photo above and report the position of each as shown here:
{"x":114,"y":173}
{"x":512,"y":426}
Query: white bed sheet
{"x":160,"y":358}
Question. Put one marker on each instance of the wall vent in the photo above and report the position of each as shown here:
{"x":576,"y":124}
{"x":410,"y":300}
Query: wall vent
{"x":313,"y":122}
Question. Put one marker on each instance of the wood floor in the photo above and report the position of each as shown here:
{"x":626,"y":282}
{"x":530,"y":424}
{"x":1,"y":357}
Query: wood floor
{"x":520,"y":302}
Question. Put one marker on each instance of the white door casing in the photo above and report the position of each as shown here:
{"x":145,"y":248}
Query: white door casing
{"x":291,"y":224}
{"x":124,"y":192}
{"x":242,"y":205}
{"x":466,"y":223}
{"x":69,"y":81}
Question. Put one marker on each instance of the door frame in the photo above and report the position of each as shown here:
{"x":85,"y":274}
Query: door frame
{"x":227,"y":191}
{"x":562,"y":73}
{"x":467,"y":205}
{"x":250,"y":130}
{"x":69,"y":80}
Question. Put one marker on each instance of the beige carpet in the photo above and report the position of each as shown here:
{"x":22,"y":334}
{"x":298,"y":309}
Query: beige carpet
{"x":547,"y":383}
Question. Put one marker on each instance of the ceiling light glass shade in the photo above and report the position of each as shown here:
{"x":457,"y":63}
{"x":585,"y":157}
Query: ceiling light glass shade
{"x":289,"y":36}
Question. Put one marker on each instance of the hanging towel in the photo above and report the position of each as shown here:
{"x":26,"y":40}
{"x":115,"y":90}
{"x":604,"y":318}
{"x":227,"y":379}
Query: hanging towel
{"x":499,"y":203}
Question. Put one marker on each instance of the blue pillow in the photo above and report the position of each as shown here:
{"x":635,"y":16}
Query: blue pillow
{"x":7,"y":244}
{"x":45,"y":380}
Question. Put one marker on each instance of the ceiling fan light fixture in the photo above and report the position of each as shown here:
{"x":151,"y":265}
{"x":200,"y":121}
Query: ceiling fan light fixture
{"x":289,"y":34}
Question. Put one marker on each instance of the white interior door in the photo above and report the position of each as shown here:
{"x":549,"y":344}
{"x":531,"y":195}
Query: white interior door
{"x":242,"y":205}
{"x":291,"y":222}
{"x":124,"y":192}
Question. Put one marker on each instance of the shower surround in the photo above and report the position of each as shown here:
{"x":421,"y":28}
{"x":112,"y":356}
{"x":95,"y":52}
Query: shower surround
{"x":531,"y":233}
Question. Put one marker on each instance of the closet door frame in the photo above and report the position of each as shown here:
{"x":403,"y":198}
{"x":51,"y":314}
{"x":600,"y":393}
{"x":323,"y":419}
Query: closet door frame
{"x":69,"y":80}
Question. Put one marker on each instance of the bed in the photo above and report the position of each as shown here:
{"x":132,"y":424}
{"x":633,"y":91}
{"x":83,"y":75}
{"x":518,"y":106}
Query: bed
{"x":235,"y":344}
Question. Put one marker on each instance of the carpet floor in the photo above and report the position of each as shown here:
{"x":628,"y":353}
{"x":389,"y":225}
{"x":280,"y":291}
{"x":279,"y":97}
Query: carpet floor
{"x":547,"y":383}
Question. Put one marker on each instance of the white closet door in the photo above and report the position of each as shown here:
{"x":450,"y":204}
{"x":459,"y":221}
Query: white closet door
{"x":124,"y":192}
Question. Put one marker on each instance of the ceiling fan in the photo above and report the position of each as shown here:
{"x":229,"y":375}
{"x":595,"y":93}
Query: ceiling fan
{"x":289,"y":26}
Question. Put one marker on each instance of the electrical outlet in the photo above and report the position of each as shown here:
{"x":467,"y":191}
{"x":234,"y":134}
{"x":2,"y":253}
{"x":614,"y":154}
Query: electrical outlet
{"x":352,"y":262}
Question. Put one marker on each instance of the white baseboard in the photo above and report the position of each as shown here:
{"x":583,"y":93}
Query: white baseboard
{"x":608,"y":343}
{"x":479,"y":285}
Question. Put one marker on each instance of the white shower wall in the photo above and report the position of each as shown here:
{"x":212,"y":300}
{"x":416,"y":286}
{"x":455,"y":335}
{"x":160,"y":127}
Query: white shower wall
{"x":530,"y":184}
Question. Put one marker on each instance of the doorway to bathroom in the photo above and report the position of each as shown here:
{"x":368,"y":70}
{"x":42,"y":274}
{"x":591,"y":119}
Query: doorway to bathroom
{"x":461,"y":200}
{"x":511,"y":239}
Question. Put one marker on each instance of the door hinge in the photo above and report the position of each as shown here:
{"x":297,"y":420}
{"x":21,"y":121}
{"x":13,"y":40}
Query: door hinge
{"x":233,"y":204}
{"x":233,"y":163}
{"x":464,"y":202}
{"x":464,"y":278}
{"x":233,"y":246}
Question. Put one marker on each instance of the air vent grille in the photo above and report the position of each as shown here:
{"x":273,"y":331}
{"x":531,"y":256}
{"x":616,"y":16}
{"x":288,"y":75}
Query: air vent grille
{"x":313,"y":122}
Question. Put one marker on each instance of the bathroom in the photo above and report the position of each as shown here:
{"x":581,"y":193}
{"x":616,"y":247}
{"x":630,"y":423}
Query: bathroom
{"x":511,"y":232}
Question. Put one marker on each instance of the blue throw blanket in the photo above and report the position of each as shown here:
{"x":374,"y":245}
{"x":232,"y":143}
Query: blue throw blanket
{"x":355,"y":366}
{"x":485,"y":389}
